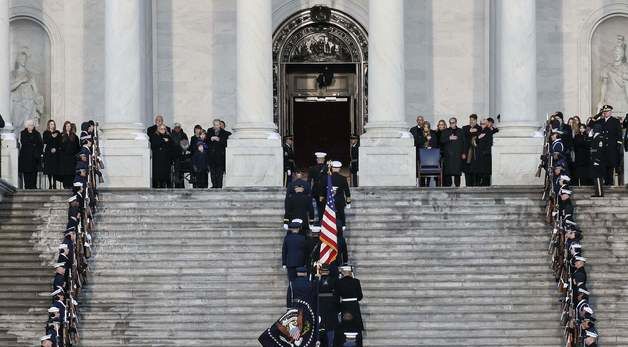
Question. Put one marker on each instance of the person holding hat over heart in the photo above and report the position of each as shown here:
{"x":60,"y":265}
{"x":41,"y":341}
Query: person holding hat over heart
{"x":317,"y":178}
{"x":610,"y":128}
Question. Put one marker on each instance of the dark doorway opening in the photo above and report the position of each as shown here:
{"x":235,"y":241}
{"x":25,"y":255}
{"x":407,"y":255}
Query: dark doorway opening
{"x":321,"y":127}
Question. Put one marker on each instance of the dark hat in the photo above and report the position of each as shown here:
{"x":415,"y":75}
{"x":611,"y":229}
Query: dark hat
{"x":606,"y":108}
{"x":354,"y":136}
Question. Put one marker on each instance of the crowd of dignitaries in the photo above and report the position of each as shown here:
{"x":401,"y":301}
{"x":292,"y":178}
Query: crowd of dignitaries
{"x":326,"y":288}
{"x":55,"y":153}
{"x":71,"y":260}
{"x":466,"y":149}
{"x":174,"y":155}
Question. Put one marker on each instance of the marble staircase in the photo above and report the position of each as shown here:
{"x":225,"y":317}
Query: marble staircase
{"x":439,"y":267}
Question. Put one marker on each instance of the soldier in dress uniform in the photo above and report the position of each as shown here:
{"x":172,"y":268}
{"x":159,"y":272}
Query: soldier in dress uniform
{"x":557,"y":149}
{"x":293,"y":251}
{"x":598,"y":164}
{"x":350,"y":292}
{"x":298,"y":204}
{"x":342,"y":195}
{"x":300,"y":288}
{"x":328,"y":306}
{"x":317,"y":178}
{"x":289,"y":164}
{"x":59,"y":279}
{"x":579,"y":275}
{"x":355,"y":156}
{"x":611,"y":129}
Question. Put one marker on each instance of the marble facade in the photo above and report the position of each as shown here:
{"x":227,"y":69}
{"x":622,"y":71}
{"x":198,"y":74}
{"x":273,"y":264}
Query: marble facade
{"x":455,"y":63}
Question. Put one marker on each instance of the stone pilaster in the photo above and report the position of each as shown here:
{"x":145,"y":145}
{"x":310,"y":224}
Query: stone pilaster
{"x":8,"y":152}
{"x":254,"y":152}
{"x":516,"y":150}
{"x":387,"y":154}
{"x":124,"y":145}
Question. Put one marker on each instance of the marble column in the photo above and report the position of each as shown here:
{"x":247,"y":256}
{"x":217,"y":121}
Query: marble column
{"x":517,"y":94}
{"x":8,"y":143}
{"x":387,"y":154}
{"x":254,"y":152}
{"x":125,"y":144}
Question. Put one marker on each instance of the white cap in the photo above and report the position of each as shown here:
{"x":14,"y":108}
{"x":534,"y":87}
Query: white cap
{"x":56,"y":265}
{"x":53,"y":310}
{"x":336,"y":164}
{"x":565,"y":178}
{"x":63,"y":246}
{"x":46,"y":338}
{"x":78,"y":184}
{"x":590,"y":333}
{"x":73,"y":198}
{"x":58,"y":291}
{"x":580,"y":259}
{"x":297,"y":220}
{"x":351,"y":335}
{"x":320,"y":154}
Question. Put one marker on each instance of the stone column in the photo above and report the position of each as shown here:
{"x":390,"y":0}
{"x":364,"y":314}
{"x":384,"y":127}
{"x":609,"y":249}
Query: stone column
{"x":254,"y":152}
{"x":8,"y":152}
{"x":125,"y":145}
{"x":387,"y":154}
{"x":516,"y":99}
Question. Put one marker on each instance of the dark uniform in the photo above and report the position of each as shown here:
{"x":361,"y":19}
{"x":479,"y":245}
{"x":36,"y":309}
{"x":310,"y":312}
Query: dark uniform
{"x":289,"y":163}
{"x":217,"y":153}
{"x":354,"y":165}
{"x":300,"y":288}
{"x":598,"y":164}
{"x":298,"y":205}
{"x":293,"y":253}
{"x":317,"y":178}
{"x":342,"y":197}
{"x":328,"y":307}
{"x":611,"y":129}
{"x":482,"y":165}
{"x":350,"y":293}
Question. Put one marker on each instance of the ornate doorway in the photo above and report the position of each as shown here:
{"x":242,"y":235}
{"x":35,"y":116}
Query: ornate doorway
{"x":320,"y":56}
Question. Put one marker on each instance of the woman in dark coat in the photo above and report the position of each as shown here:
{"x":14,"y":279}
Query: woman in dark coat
{"x":52,"y":144}
{"x":582,"y":152}
{"x":30,"y":155}
{"x":163,"y":149}
{"x":67,"y":157}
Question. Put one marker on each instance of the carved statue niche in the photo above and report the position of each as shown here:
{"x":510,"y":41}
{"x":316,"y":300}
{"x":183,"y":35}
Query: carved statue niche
{"x":26,"y":101}
{"x":614,"y":79}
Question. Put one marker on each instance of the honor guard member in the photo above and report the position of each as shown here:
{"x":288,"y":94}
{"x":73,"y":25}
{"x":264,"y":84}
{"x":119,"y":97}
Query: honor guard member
{"x":58,"y":302}
{"x":59,"y":279}
{"x":298,"y":205}
{"x":342,"y":195}
{"x":557,"y":148}
{"x":598,"y":165}
{"x":47,"y":341}
{"x":300,"y":288}
{"x":328,"y":305}
{"x":611,"y":129}
{"x":317,"y":178}
{"x":348,"y":332}
{"x":579,"y":275}
{"x":589,"y":334}
{"x":349,"y":290}
{"x":355,"y":156}
{"x":289,"y":163}
{"x":293,"y":251}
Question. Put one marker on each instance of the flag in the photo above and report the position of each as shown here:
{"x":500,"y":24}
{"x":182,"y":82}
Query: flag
{"x":329,"y":229}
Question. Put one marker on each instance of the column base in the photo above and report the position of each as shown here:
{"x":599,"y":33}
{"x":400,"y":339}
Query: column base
{"x":127,"y":162}
{"x":515,"y":160}
{"x":254,"y":162}
{"x":9,"y":158}
{"x":387,"y":161}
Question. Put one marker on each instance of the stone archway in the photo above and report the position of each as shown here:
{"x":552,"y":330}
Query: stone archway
{"x":320,"y":36}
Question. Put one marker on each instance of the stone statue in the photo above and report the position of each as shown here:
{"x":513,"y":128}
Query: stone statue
{"x":26,"y":102}
{"x":614,"y":77}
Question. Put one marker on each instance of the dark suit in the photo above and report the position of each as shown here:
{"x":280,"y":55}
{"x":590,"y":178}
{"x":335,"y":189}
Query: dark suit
{"x":468,"y":149}
{"x":452,"y":155}
{"x":29,"y":159}
{"x":288,"y":163}
{"x":216,"y":154}
{"x":483,"y":162}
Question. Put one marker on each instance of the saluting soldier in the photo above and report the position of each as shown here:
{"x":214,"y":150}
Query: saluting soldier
{"x":355,"y":156}
{"x":611,"y":129}
{"x":289,"y":163}
{"x":342,"y":195}
{"x":317,"y":178}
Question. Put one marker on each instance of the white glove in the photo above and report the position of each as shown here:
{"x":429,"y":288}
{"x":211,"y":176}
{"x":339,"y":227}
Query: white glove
{"x":283,"y":267}
{"x":348,"y":207}
{"x":289,"y":172}
{"x":285,"y":226}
